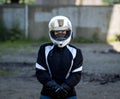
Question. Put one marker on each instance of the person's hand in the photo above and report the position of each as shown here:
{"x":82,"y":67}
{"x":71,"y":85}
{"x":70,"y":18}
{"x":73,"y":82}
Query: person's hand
{"x":62,"y":91}
{"x":51,"y":87}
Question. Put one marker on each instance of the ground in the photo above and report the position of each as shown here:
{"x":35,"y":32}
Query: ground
{"x":100,"y":76}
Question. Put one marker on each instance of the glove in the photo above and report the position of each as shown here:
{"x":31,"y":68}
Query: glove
{"x":63,"y":91}
{"x":51,"y":88}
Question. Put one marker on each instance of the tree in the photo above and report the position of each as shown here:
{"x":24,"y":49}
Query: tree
{"x":111,"y":2}
{"x":14,"y":1}
{"x":17,"y":1}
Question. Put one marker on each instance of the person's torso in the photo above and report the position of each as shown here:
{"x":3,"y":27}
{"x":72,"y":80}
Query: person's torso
{"x":59,"y":60}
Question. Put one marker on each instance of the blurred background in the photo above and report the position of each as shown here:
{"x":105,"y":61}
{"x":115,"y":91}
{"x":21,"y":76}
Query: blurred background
{"x":93,"y":20}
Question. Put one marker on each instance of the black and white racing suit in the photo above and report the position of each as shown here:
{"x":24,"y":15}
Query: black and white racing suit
{"x":63,"y":65}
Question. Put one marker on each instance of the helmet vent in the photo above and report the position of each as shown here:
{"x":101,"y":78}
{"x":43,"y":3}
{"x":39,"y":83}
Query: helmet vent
{"x":60,"y":22}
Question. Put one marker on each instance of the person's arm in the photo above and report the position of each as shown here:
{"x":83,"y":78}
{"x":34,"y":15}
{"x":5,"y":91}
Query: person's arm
{"x":75,"y":74}
{"x":42,"y":72}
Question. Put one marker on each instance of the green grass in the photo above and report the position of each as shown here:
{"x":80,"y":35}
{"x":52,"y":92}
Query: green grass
{"x":24,"y":43}
{"x":85,"y":40}
{"x":5,"y":72}
{"x":16,"y":44}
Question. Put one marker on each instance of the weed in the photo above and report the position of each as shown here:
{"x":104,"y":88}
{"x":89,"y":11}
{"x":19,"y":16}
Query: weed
{"x":5,"y":72}
{"x":15,"y":33}
{"x":3,"y":31}
{"x":115,"y":38}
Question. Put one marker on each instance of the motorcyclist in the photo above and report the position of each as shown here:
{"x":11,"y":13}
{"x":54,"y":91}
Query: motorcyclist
{"x":59,"y":64}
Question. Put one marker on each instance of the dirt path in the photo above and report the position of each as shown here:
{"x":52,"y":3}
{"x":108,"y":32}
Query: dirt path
{"x":100,"y":79}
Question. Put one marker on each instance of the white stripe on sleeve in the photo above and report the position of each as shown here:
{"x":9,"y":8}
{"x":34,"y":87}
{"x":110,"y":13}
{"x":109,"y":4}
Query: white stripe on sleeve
{"x":77,"y":69}
{"x":40,"y":67}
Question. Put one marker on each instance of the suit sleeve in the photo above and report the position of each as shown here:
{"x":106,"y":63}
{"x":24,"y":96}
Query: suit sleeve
{"x":42,"y":73}
{"x":75,"y":74}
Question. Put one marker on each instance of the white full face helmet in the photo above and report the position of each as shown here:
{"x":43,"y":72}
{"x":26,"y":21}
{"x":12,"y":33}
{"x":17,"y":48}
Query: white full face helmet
{"x":60,"y":23}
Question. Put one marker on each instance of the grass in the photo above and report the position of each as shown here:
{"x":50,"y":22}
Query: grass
{"x":85,"y":40}
{"x":15,"y":44}
{"x":12,"y":46}
{"x":5,"y":72}
{"x":24,"y":43}
{"x":18,"y":45}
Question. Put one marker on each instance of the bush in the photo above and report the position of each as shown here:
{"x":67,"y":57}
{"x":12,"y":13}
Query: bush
{"x":79,"y":39}
{"x":15,"y":33}
{"x":115,"y":38}
{"x":3,"y":32}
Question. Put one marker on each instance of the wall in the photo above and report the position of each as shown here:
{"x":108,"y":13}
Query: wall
{"x":87,"y":20}
{"x":12,"y":15}
{"x":69,"y":2}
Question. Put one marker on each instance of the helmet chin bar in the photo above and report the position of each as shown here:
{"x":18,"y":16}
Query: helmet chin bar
{"x":61,"y":44}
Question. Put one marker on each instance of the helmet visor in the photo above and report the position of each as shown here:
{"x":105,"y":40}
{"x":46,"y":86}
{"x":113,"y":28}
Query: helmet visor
{"x":60,"y":35}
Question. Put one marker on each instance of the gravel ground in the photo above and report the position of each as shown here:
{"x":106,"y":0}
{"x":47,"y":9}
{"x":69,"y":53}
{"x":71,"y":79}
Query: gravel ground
{"x":100,"y":77}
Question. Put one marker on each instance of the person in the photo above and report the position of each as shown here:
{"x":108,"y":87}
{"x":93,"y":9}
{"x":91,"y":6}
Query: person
{"x":59,"y":64}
